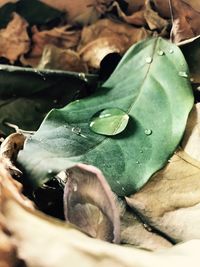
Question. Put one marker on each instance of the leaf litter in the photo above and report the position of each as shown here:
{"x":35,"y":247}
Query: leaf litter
{"x":71,"y":40}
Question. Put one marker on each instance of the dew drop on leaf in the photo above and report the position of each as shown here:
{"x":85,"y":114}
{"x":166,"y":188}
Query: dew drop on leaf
{"x":109,"y":121}
{"x":171,"y":51}
{"x":148,"y":131}
{"x":148,"y":60}
{"x":161,"y":53}
{"x":183,"y":74}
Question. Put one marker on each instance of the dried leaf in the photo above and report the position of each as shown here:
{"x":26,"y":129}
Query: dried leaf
{"x":163,"y":8}
{"x":107,"y":28}
{"x":61,"y":59}
{"x":62,"y":37}
{"x":90,"y":204}
{"x":186,"y":23}
{"x":46,"y":242}
{"x":8,"y":255}
{"x":14,"y":40}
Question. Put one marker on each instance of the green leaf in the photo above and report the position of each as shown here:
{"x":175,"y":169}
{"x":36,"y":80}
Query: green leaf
{"x":191,"y":51}
{"x":26,"y":81}
{"x":147,"y":86}
{"x":34,"y":11}
{"x":109,"y":121}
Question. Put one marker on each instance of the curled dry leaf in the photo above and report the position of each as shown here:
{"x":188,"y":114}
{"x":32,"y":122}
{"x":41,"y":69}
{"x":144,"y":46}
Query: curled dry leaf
{"x":107,"y":28}
{"x":186,"y":23}
{"x":90,"y":204}
{"x":46,"y":242}
{"x":62,"y":37}
{"x":95,"y":51}
{"x":14,"y":40}
{"x":61,"y":59}
{"x":170,"y":200}
{"x":81,"y":11}
{"x":162,"y":7}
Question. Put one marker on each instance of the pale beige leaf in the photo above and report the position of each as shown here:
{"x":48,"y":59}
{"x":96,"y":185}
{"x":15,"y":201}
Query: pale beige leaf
{"x":14,"y":39}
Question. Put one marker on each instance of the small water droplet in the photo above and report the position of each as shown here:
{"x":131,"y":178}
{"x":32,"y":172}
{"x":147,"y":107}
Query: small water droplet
{"x":75,"y":187}
{"x":141,"y":151}
{"x":50,"y":171}
{"x":183,"y":74}
{"x":82,"y":76}
{"x":161,"y":52}
{"x":55,"y":101}
{"x":198,"y":88}
{"x":148,"y":131}
{"x":137,"y":162}
{"x":123,"y":188}
{"x":76,"y":130}
{"x":192,"y":79}
{"x":171,"y":51}
{"x":118,"y":182}
{"x":148,"y":60}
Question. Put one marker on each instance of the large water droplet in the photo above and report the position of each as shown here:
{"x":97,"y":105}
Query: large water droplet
{"x":148,"y":131}
{"x":148,"y":60}
{"x":183,"y":74}
{"x":109,"y":121}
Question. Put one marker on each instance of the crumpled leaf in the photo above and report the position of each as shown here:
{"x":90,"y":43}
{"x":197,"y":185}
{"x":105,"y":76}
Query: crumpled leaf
{"x":170,"y":200}
{"x":90,"y":204}
{"x":163,"y":8}
{"x":14,"y":39}
{"x":191,"y":51}
{"x":143,"y":147}
{"x":62,"y":37}
{"x":82,"y":11}
{"x":107,"y":28}
{"x":186,"y":21}
{"x":33,"y":11}
{"x":61,"y":59}
{"x":46,"y":242}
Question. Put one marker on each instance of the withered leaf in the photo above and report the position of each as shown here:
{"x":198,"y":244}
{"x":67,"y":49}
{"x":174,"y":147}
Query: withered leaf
{"x":61,"y":59}
{"x":14,"y":40}
{"x":186,"y":23}
{"x":90,"y":204}
{"x":62,"y":37}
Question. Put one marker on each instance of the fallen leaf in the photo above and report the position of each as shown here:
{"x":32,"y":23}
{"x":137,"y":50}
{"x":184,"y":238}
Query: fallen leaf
{"x":61,"y":59}
{"x":62,"y":37}
{"x":14,"y":40}
{"x":195,"y":4}
{"x":94,"y":52}
{"x":143,"y":147}
{"x":90,"y":204}
{"x":170,"y":200}
{"x":107,"y":28}
{"x":163,"y":8}
{"x":186,"y":21}
{"x":46,"y":242}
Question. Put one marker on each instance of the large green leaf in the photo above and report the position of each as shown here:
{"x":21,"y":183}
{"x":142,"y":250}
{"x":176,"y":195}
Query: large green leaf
{"x":150,"y":84}
{"x":34,"y":11}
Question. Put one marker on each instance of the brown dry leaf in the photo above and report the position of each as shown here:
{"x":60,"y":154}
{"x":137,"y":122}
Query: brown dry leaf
{"x":62,"y":37}
{"x":46,"y":242}
{"x":107,"y":28}
{"x":14,"y":40}
{"x":81,"y":11}
{"x":96,"y":50}
{"x":163,"y":8}
{"x":186,"y":23}
{"x":195,"y":4}
{"x":134,"y":5}
{"x":61,"y":59}
{"x":170,"y":200}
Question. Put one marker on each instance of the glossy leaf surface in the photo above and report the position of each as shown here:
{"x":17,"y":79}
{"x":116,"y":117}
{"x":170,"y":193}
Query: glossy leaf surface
{"x":147,"y":86}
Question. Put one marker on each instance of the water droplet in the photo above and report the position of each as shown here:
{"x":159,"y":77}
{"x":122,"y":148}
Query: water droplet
{"x":148,"y":60}
{"x":171,"y":51}
{"x":192,"y":79}
{"x":55,"y":101}
{"x":137,"y":162}
{"x":75,"y":187}
{"x":110,"y":121}
{"x":148,"y":131}
{"x":82,"y":76}
{"x":161,"y":53}
{"x":198,"y":88}
{"x":141,"y":151}
{"x":50,"y":171}
{"x":118,"y":182}
{"x":183,"y":74}
{"x":76,"y":130}
{"x":123,"y":188}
